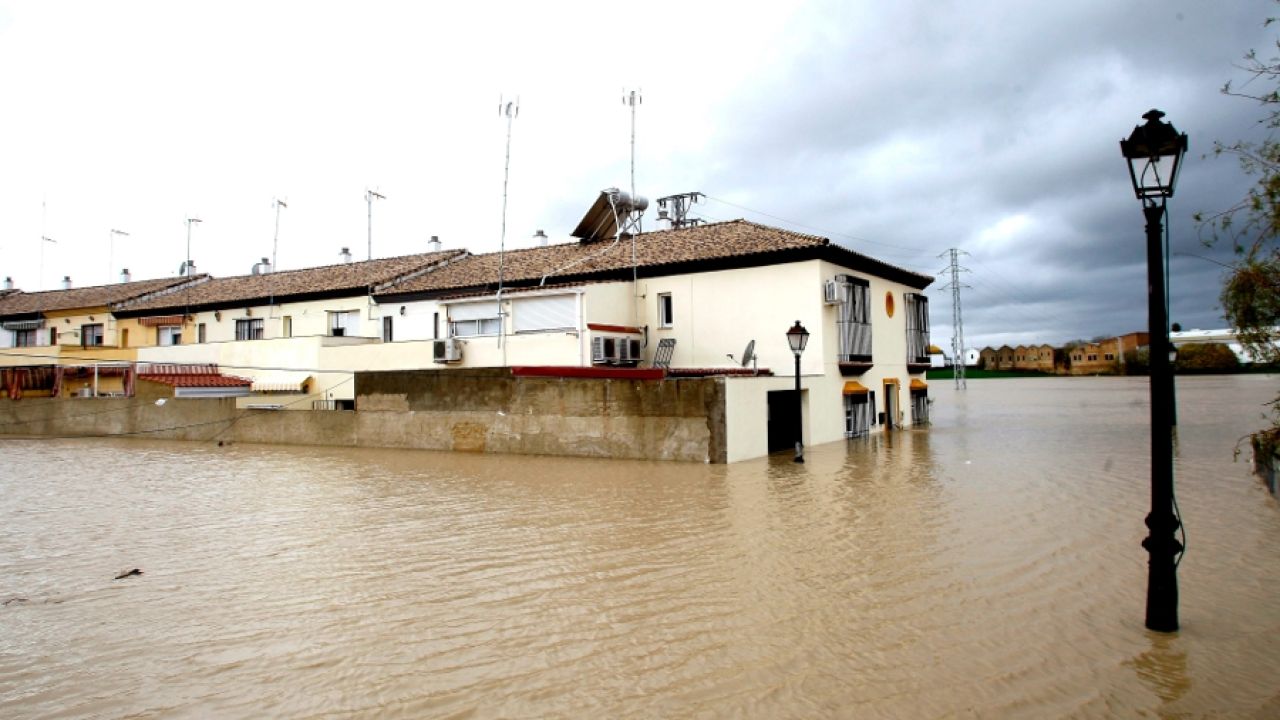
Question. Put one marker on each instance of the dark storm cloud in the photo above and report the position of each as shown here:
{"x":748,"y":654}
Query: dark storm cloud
{"x":905,"y":132}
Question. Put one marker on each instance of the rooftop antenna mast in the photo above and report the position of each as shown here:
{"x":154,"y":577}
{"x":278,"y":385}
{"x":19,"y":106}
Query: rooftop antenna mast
{"x":369,"y":195}
{"x":111,"y":251}
{"x":510,"y":109}
{"x":675,"y":209}
{"x":957,"y":323}
{"x":186,"y":266}
{"x":632,"y":98}
{"x":275,"y":245}
{"x":275,"y":239}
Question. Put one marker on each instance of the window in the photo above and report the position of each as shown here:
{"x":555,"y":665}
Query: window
{"x":91,"y":335}
{"x":24,"y":338}
{"x":543,"y":313}
{"x":344,"y":323}
{"x":474,"y":319}
{"x":858,"y":415}
{"x":249,"y":329}
{"x":920,"y":407}
{"x":854,"y":322}
{"x":168,"y":335}
{"x":666,"y":311}
{"x":286,"y":326}
{"x":386,"y":329}
{"x":918,"y":329}
{"x":202,"y":335}
{"x":53,"y":336}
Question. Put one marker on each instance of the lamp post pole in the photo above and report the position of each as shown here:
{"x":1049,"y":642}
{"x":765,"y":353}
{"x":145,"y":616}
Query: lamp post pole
{"x":799,"y":416}
{"x":797,"y":338}
{"x":1154,"y":152}
{"x":1162,"y":523}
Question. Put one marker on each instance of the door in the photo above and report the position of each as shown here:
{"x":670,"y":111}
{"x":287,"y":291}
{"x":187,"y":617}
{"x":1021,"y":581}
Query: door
{"x":783,"y":413}
{"x":890,"y":405}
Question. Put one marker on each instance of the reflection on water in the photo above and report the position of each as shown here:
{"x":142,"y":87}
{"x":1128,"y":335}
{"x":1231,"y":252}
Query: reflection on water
{"x":987,"y":567}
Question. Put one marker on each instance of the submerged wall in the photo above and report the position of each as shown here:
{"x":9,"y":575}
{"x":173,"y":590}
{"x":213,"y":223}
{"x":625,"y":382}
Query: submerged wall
{"x":474,"y":410}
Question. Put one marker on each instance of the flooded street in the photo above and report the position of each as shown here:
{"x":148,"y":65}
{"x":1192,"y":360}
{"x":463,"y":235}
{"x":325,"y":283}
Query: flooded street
{"x":987,"y":567}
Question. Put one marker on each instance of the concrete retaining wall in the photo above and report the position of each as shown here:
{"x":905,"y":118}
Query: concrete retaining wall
{"x":480,"y":410}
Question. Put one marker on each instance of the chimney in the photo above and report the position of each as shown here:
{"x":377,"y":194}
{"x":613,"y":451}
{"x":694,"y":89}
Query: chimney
{"x":434,"y":244}
{"x":541,"y":237}
{"x":190,"y":269}
{"x":125,"y":276}
{"x":66,"y":282}
{"x":266,"y":265}
{"x":8,"y":283}
{"x":345,"y":255}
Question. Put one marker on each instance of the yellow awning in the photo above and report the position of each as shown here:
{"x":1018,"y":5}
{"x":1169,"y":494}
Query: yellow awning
{"x":917,"y":384}
{"x":280,"y":381}
{"x":853,"y":387}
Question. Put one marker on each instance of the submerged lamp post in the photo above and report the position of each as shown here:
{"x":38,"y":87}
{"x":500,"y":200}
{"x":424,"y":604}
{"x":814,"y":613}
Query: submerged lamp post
{"x":798,"y":337}
{"x":1154,"y":152}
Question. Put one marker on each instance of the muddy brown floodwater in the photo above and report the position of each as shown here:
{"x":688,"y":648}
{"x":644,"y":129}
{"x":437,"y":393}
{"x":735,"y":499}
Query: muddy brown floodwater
{"x":988,"y":567}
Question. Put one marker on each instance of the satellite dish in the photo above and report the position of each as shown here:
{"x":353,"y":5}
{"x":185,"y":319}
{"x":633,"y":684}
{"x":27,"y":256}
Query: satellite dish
{"x":749,"y":354}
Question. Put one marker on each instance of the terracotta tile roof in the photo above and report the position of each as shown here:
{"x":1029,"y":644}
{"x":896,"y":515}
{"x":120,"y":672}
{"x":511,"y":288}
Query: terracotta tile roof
{"x":356,"y":277}
{"x":22,"y":303}
{"x":734,"y":240}
{"x":190,"y":376}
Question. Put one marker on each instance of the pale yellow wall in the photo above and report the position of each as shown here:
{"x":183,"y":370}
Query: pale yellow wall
{"x":262,"y":359}
{"x":718,"y":313}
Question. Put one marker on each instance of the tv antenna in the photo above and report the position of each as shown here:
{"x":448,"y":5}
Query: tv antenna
{"x":111,"y":251}
{"x":369,"y":195}
{"x":275,"y":239}
{"x":186,"y":266}
{"x":675,"y":209}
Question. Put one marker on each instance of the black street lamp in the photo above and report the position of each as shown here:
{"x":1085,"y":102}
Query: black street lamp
{"x":798,"y":337}
{"x":1154,"y":152}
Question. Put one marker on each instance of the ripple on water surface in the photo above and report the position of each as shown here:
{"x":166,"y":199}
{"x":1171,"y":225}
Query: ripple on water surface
{"x":987,"y":567}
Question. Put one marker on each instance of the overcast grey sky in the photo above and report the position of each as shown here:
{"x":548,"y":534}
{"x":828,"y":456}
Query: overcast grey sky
{"x":897,"y":129}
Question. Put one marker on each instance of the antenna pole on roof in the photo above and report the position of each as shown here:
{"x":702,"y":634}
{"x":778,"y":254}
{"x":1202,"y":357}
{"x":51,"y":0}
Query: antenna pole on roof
{"x":111,"y":251}
{"x":275,"y":245}
{"x":369,"y":195}
{"x":510,"y":110}
{"x":632,"y":98}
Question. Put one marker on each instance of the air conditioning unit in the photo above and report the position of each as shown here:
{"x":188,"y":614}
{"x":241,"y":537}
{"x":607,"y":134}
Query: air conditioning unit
{"x":831,"y":292}
{"x":605,"y":350}
{"x":446,"y":351}
{"x":628,"y":352}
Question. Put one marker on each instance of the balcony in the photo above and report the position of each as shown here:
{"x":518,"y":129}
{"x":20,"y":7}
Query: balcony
{"x":855,"y":348}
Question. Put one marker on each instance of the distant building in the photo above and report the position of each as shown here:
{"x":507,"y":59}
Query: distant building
{"x":1225,"y":337}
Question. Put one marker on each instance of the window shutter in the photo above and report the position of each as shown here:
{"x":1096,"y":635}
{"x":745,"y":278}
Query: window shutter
{"x":557,"y":312}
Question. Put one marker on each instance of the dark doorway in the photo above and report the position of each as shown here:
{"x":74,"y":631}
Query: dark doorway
{"x":783,"y":411}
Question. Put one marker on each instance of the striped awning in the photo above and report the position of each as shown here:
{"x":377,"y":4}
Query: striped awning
{"x":157,"y":320}
{"x":282,"y":381}
{"x":22,"y":324}
{"x":853,"y":387}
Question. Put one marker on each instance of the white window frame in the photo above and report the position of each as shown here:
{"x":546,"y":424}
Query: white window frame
{"x":168,"y":335}
{"x":474,"y":319}
{"x":666,"y":310}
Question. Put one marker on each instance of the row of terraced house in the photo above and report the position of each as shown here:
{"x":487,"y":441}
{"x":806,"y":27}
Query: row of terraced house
{"x":1101,"y":357}
{"x":651,"y":307}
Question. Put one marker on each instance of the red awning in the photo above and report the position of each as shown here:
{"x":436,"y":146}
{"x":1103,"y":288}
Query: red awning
{"x":156,"y":320}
